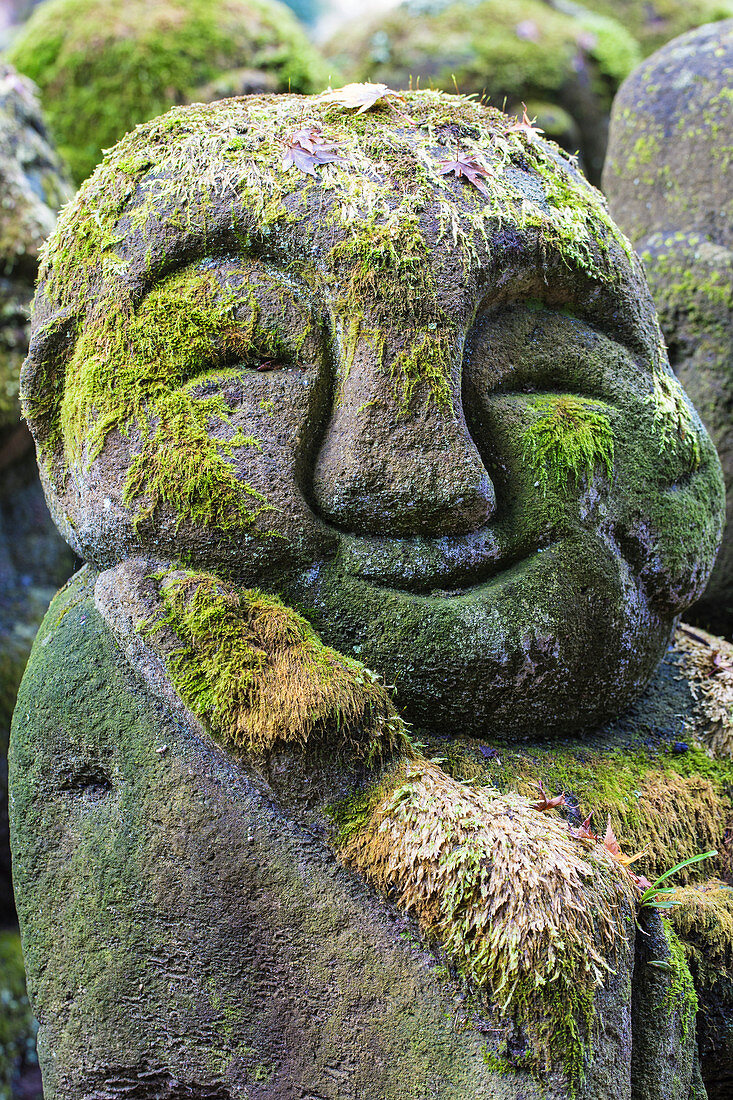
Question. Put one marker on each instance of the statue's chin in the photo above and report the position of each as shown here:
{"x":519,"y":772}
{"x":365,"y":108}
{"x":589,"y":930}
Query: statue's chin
{"x":561,"y":641}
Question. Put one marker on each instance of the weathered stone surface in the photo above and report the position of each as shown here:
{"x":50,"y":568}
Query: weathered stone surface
{"x":510,"y":52}
{"x":668,"y":182}
{"x":103,"y":68}
{"x":184,"y":931}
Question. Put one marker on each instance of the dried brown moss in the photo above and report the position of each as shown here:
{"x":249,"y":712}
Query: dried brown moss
{"x":523,"y":911}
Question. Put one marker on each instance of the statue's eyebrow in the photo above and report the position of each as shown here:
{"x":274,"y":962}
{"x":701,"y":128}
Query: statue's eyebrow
{"x":613,"y":308}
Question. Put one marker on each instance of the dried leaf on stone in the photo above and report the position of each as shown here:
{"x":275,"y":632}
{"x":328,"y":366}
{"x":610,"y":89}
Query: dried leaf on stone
{"x":584,"y":831}
{"x":545,"y":802}
{"x":613,"y":847}
{"x":360,"y":96}
{"x":525,"y":125}
{"x":307,"y":148}
{"x":641,"y":881}
{"x":471,"y":169}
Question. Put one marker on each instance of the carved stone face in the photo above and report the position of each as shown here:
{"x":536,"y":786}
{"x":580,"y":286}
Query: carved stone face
{"x":435,"y":417}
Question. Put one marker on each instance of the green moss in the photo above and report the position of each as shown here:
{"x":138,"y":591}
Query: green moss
{"x":665,"y":805}
{"x":17,"y":1026}
{"x":140,"y":370}
{"x":428,"y":361}
{"x":257,"y":673}
{"x":383,"y":256}
{"x":102,"y":68}
{"x":673,"y":418}
{"x":570,"y":439}
{"x":680,"y":1000}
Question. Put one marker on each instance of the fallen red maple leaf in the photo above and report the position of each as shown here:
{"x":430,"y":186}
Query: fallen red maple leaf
{"x":525,"y":125}
{"x":613,"y":847}
{"x":307,"y":148}
{"x":469,"y":167}
{"x":545,"y":802}
{"x":584,"y":832}
{"x":639,"y":880}
{"x":359,"y":96}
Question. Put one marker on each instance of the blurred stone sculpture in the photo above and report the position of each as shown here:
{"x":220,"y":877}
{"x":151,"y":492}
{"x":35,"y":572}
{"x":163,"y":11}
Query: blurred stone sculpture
{"x":564,"y":62}
{"x":668,"y":183}
{"x":654,"y":22}
{"x":34,"y":561}
{"x":102,"y":67}
{"x":388,"y":361}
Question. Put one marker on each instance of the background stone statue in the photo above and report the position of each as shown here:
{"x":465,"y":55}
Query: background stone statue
{"x":102,"y":68}
{"x":34,"y":560}
{"x":334,"y":394}
{"x":668,"y":182}
{"x":563,"y":60}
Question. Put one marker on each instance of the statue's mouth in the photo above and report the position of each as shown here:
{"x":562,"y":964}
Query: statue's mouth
{"x":444,"y":565}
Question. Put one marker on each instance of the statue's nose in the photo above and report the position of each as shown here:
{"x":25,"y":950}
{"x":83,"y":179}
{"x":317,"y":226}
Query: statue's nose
{"x":390,"y":465}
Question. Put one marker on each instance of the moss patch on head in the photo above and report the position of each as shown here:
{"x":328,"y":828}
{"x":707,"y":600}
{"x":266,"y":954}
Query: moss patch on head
{"x":103,"y":67}
{"x":374,"y":218}
{"x":522,"y":910}
{"x":259,"y":676}
{"x":570,"y":439}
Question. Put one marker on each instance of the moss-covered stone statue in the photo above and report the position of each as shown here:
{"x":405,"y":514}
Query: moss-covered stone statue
{"x":357,"y":408}
{"x":668,"y":182}
{"x":563,"y":61}
{"x":33,"y":559}
{"x":103,"y":66}
{"x":654,"y":22}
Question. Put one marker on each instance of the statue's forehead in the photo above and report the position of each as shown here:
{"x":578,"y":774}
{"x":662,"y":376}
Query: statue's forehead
{"x":404,"y":224}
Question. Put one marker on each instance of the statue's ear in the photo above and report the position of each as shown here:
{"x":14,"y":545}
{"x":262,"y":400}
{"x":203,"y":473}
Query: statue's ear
{"x":129,"y":599}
